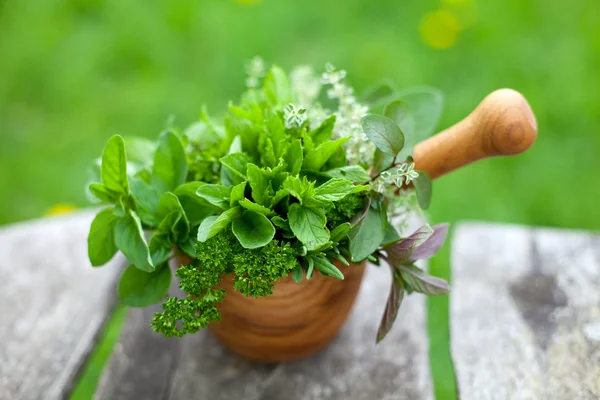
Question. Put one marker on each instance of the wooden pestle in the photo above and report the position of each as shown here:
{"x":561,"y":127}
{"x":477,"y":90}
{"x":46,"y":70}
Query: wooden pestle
{"x":503,"y":124}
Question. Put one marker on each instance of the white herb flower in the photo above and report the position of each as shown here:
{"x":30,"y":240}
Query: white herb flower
{"x":256,"y":70}
{"x":294,"y":116}
{"x":305,"y":85}
{"x":405,"y":174}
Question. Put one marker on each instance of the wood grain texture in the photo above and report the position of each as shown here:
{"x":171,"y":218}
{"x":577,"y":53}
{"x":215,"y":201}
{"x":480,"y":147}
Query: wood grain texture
{"x":296,"y":321}
{"x":525,"y":313}
{"x":352,"y":367}
{"x":503,"y":124}
{"x":53,"y":304}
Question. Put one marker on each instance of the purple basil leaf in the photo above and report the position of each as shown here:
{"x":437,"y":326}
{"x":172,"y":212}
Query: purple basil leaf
{"x":420,"y":282}
{"x":391,"y":308}
{"x":400,"y":252}
{"x":432,"y":245}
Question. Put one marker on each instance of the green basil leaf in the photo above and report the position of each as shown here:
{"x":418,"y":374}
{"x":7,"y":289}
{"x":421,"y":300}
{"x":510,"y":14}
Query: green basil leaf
{"x":293,"y":157}
{"x":129,"y":238}
{"x":391,"y":307}
{"x":170,"y":165}
{"x":354,"y":173}
{"x":317,"y":157}
{"x":141,"y":289}
{"x":308,"y":224}
{"x":146,"y":198}
{"x":196,"y":208}
{"x":160,"y":248}
{"x":323,"y":132}
{"x":101,"y":242}
{"x":179,"y":226}
{"x":114,"y":166}
{"x":340,"y":232}
{"x":391,"y":236}
{"x":253,"y":230}
{"x":421,"y":282}
{"x":104,"y":194}
{"x":366,"y":236}
{"x":399,"y":112}
{"x":277,"y":87}
{"x":215,"y":224}
{"x":139,"y":150}
{"x":423,"y":188}
{"x":249,"y":205}
{"x":187,"y":247}
{"x":327,"y":267}
{"x":236,"y":163}
{"x":217,"y":195}
{"x":384,"y":133}
{"x":426,"y":105}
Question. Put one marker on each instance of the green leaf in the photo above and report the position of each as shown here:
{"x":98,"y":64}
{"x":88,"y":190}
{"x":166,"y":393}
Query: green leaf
{"x":281,"y":223}
{"x":324,"y":131}
{"x":366,"y":236}
{"x":141,"y":289}
{"x":139,"y":150}
{"x":317,"y":157}
{"x":160,"y":248}
{"x":215,"y":224}
{"x":237,"y":194}
{"x":253,"y":230}
{"x":377,"y":93}
{"x":423,"y":188}
{"x":310,"y":268}
{"x":236,"y":163}
{"x":391,"y":236}
{"x":114,"y":166}
{"x":293,"y":157}
{"x":188,"y":247}
{"x":217,"y":195}
{"x":399,"y":112}
{"x":276,"y":131}
{"x":259,"y":181}
{"x":129,"y":238}
{"x":249,"y":205}
{"x":327,"y":267}
{"x":308,"y":224}
{"x":102,"y":193}
{"x":277,"y":87}
{"x":336,"y":189}
{"x":170,"y":165}
{"x":196,"y":208}
{"x":421,"y":282}
{"x":391,"y":307}
{"x":384,"y":133}
{"x":340,"y":232}
{"x":146,"y":198}
{"x":354,"y":173}
{"x":179,"y":227}
{"x":297,"y":273}
{"x":266,"y":151}
{"x":426,"y":105}
{"x":101,"y":242}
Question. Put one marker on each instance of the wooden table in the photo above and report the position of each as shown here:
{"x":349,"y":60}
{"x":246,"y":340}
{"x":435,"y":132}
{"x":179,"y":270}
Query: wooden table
{"x":525,"y":325}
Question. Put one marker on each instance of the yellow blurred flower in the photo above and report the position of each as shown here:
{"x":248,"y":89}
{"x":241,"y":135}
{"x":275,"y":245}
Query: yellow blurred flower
{"x":248,"y":2}
{"x":440,"y":29}
{"x":61,"y":209}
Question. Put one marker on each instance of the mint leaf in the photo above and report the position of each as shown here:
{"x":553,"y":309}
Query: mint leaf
{"x":129,"y":238}
{"x":249,"y":205}
{"x":215,"y":224}
{"x":266,"y":151}
{"x":237,"y":194}
{"x":293,"y":157}
{"x":384,"y":133}
{"x":419,"y":281}
{"x":317,"y":157}
{"x":141,"y":289}
{"x":217,"y":195}
{"x":308,"y":224}
{"x":366,"y":236}
{"x":327,"y":267}
{"x":101,"y":242}
{"x":354,"y":173}
{"x":262,"y":191}
{"x":104,"y":194}
{"x":391,"y":307}
{"x":196,"y":208}
{"x":114,"y":166}
{"x":170,"y":165}
{"x":400,"y":252}
{"x":423,"y":188}
{"x":336,"y":189}
{"x":277,"y":87}
{"x":236,"y":163}
{"x":323,"y":132}
{"x":253,"y":230}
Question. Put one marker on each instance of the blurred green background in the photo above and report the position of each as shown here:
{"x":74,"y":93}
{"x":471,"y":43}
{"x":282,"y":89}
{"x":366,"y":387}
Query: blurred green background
{"x":75,"y":72}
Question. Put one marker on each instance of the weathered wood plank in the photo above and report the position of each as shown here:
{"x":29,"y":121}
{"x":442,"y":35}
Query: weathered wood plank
{"x":352,"y":367}
{"x":52,"y":302}
{"x":526,"y":313}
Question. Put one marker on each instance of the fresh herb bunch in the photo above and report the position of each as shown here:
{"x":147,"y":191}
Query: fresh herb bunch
{"x":284,"y":186}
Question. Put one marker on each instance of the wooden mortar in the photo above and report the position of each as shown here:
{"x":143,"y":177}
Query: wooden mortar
{"x":300,"y":319}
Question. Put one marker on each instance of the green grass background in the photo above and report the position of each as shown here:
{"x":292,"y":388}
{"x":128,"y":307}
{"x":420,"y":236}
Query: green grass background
{"x":75,"y":72}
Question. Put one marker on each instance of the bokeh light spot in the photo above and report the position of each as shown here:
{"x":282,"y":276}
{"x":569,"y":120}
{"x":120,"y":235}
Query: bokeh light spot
{"x":61,"y":209}
{"x":440,"y":29}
